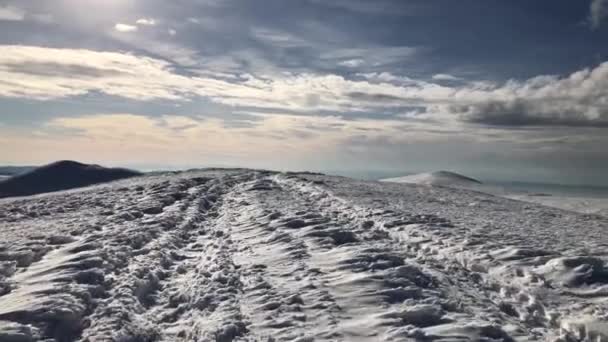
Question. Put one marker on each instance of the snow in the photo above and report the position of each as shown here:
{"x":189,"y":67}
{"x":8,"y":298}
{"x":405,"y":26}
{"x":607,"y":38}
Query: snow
{"x":579,"y":204}
{"x":245,"y":255}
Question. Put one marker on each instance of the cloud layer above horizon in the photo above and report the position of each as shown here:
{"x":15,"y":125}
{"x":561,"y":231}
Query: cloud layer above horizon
{"x":393,"y":85}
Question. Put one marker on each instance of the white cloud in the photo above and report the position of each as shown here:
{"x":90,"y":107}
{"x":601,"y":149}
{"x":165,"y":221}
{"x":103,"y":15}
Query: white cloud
{"x":125,"y":28}
{"x":598,"y":12}
{"x":278,"y":38}
{"x":445,"y":77}
{"x":146,"y":22}
{"x":45,"y":73}
{"x":172,"y":32}
{"x":580,"y":99}
{"x":387,"y":77}
{"x":10,"y":13}
{"x":373,"y":56}
{"x":352,"y":63}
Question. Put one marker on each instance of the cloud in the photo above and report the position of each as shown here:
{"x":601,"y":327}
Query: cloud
{"x":146,"y":22}
{"x":172,"y":32}
{"x":10,"y":13}
{"x":45,"y":73}
{"x":352,"y":63}
{"x":373,"y":56}
{"x":445,"y":77}
{"x":125,"y":28}
{"x":131,"y":138}
{"x":598,"y":12}
{"x":579,"y":99}
{"x":278,"y":38}
{"x":522,"y":112}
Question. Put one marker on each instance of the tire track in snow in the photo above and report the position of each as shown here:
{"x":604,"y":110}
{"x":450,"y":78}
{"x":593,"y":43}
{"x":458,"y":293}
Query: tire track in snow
{"x":284,"y":298}
{"x":201,"y":301}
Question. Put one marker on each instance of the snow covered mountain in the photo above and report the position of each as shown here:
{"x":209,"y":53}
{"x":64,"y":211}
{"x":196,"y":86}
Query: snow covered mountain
{"x":243,"y":255}
{"x":442,"y":178}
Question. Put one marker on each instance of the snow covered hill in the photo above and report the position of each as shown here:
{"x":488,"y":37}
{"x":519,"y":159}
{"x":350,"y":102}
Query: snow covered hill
{"x":443,"y":178}
{"x":242,"y":255}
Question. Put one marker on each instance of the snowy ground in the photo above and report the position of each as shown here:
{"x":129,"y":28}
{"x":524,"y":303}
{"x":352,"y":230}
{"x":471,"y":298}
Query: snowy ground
{"x":585,"y":205}
{"x":238,"y":255}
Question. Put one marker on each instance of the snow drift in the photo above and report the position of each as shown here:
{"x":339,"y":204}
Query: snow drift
{"x":61,"y":175}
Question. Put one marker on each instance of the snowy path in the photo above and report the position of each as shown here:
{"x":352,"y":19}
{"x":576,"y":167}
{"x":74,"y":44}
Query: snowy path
{"x":245,"y":255}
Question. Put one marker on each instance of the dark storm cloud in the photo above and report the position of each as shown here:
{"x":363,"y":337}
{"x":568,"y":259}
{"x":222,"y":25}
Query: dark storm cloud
{"x":528,"y":113}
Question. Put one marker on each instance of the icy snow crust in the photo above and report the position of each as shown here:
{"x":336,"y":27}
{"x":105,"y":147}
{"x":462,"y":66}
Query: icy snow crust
{"x":241,"y":255}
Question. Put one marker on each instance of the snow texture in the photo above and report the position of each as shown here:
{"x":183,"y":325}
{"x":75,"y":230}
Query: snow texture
{"x":243,"y":255}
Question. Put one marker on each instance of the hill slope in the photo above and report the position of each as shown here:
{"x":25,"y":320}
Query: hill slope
{"x":61,"y":175}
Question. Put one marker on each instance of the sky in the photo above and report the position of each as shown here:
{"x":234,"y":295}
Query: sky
{"x":506,"y":90}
